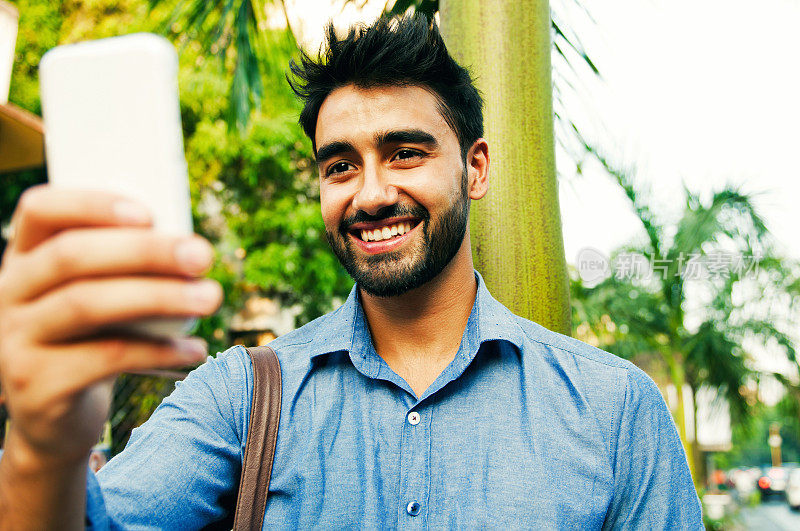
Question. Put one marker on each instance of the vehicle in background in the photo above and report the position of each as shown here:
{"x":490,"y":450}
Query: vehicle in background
{"x":772,"y":482}
{"x":743,"y":481}
{"x":793,"y":489}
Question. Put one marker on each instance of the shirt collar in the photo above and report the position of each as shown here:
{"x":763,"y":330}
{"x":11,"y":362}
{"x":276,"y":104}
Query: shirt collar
{"x":346,"y":328}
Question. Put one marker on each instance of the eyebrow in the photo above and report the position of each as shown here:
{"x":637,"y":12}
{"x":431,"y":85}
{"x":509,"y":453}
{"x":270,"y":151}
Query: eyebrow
{"x":406,"y":136}
{"x":402,"y":136}
{"x":332,"y":149}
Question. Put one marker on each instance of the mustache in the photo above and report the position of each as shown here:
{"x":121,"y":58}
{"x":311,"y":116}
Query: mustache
{"x":390,"y":211}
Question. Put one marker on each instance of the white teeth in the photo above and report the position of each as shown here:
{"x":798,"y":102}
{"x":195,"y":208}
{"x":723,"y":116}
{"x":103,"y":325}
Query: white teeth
{"x":385,"y":233}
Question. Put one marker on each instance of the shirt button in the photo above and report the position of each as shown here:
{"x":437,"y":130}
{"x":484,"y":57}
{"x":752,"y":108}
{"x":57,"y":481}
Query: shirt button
{"x":413,"y":419}
{"x":413,"y":508}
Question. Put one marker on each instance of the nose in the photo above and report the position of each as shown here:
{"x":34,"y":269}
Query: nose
{"x":375,"y":192}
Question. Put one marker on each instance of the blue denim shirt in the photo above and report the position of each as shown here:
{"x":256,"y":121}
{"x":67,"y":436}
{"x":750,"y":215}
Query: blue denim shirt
{"x":525,"y":428}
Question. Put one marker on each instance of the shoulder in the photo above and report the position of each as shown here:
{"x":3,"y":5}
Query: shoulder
{"x":231,"y":364}
{"x":607,"y":385}
{"x":636,"y":382}
{"x":569,"y":346}
{"x":573,"y":355}
{"x":225,"y":380}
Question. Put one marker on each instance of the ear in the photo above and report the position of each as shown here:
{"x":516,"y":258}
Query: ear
{"x":478,"y":169}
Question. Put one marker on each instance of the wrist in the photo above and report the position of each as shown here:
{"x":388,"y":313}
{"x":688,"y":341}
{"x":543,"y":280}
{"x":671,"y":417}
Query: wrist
{"x":40,"y":490}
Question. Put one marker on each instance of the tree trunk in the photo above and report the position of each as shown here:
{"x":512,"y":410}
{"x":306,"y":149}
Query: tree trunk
{"x":678,"y":378}
{"x":700,"y":459}
{"x":516,"y":228}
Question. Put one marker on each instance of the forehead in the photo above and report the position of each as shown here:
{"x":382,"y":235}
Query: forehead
{"x":352,"y":113}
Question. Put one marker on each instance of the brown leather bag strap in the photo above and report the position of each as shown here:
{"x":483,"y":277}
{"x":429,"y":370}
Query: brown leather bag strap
{"x":262,"y":434}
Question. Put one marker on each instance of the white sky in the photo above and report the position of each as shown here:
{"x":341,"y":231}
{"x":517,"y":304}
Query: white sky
{"x":309,"y":17}
{"x":703,"y":92}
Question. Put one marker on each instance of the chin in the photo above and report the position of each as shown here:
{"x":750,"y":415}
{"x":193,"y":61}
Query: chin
{"x":392,"y":279}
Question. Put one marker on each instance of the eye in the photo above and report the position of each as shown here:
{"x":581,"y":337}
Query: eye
{"x":338,"y":167}
{"x":407,"y":154}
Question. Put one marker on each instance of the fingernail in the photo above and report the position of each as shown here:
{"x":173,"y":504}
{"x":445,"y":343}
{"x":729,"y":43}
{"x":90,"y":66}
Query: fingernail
{"x":204,"y":295}
{"x":194,"y":255}
{"x":131,"y":212}
{"x":193,"y":348}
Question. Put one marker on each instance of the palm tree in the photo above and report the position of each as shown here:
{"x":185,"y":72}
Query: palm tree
{"x":516,"y":229}
{"x":648,"y":318}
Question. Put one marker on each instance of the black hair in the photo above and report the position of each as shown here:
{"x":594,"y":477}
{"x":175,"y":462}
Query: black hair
{"x":394,"y":51}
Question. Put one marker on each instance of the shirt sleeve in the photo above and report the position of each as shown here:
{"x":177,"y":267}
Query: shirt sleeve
{"x":653,"y":487}
{"x":180,"y":469}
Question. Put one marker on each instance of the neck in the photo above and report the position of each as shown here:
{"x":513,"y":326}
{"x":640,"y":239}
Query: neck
{"x":427,"y":322}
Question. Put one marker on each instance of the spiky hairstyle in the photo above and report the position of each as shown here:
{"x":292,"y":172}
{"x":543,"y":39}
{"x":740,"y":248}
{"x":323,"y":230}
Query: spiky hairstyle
{"x":397,"y":51}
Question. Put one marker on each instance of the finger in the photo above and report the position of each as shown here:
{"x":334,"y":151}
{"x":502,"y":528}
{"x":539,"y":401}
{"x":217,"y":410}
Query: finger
{"x":111,"y":356}
{"x":58,"y":371}
{"x":45,"y":210}
{"x":84,"y":253}
{"x":86,"y":306}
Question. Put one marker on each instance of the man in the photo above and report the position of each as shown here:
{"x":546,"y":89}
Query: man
{"x":420,"y":402}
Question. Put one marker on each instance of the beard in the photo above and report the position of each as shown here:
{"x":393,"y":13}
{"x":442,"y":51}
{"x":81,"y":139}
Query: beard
{"x":397,"y":272}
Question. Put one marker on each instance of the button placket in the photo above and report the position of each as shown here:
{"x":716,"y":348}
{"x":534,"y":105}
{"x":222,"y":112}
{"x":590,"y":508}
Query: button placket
{"x":415,"y":464}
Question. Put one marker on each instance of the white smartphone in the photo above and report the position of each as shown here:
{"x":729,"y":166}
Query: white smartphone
{"x":112,"y":122}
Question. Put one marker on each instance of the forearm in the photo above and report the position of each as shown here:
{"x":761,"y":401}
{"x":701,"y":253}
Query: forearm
{"x":40,"y":493}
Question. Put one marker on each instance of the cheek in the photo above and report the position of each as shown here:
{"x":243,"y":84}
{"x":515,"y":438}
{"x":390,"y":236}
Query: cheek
{"x":333,"y":205}
{"x":435,"y":195}
{"x":438,"y":185}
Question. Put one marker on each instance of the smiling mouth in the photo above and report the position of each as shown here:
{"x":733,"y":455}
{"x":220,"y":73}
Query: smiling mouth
{"x":377,"y":232}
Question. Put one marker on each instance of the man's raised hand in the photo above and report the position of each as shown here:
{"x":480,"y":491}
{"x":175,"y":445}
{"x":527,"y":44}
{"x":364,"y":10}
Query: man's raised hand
{"x":79,"y":263}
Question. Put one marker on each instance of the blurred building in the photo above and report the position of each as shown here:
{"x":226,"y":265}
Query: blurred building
{"x":713,"y":421}
{"x":21,"y":132}
{"x":260,"y":321}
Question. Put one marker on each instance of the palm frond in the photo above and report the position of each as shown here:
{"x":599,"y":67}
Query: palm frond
{"x":730,"y":214}
{"x":766,"y":331}
{"x":229,"y":28}
{"x":573,"y":42}
{"x":719,"y":362}
{"x":713,"y":355}
{"x":631,"y":318}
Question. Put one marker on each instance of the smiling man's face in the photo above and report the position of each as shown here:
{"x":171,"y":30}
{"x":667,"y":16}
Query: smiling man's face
{"x":393,"y":186}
